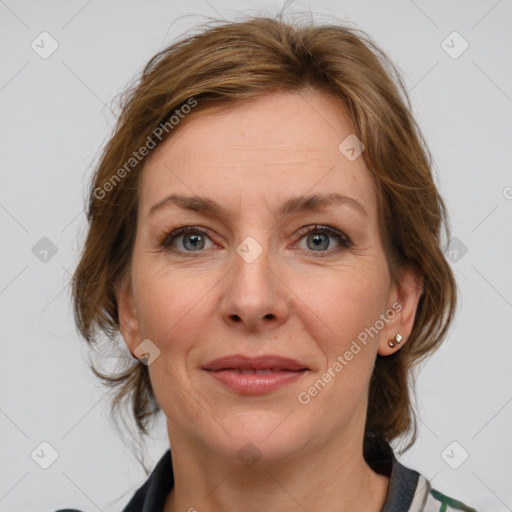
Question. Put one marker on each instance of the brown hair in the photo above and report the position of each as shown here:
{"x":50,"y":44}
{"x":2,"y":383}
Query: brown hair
{"x":231,"y":62}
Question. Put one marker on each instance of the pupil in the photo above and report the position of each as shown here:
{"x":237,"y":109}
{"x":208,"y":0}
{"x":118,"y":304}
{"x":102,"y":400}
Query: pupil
{"x":195,"y":240}
{"x":318,"y":242}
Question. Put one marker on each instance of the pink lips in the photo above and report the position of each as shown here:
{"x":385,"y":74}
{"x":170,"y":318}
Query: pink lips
{"x":255,"y":375}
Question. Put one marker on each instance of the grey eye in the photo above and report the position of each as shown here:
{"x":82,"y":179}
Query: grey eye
{"x":193,"y":241}
{"x":318,"y":241}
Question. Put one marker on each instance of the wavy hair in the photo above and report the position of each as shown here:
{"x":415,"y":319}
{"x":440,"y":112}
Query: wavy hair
{"x":226,"y":63}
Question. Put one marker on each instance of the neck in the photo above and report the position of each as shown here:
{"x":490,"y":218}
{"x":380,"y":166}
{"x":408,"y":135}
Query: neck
{"x":327,"y":477}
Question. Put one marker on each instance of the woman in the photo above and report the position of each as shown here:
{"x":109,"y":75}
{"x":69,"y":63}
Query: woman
{"x":264,"y":232}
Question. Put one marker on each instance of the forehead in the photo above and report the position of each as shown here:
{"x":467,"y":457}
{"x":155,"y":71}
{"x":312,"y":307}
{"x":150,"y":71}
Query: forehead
{"x":279,"y":145}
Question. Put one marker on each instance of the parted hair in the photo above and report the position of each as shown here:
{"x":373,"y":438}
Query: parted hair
{"x":225,"y":63}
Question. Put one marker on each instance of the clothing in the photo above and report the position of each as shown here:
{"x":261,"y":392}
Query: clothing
{"x":408,"y":490}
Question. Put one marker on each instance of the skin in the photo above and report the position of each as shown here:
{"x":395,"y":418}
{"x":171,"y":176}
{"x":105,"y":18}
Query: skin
{"x":199,"y":305}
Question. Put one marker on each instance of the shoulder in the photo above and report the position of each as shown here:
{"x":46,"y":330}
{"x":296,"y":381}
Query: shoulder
{"x":445,"y":503}
{"x":409,"y":491}
{"x":427,"y":499}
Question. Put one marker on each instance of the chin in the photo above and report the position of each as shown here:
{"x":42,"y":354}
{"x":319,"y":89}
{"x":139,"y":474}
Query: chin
{"x":258,"y":436}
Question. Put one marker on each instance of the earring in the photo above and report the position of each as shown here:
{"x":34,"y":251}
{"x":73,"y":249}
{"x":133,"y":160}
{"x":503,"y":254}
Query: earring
{"x":398,"y":339}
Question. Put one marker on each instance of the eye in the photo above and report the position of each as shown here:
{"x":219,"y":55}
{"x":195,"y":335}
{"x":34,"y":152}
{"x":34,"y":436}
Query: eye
{"x":193,"y":239}
{"x":318,"y":239}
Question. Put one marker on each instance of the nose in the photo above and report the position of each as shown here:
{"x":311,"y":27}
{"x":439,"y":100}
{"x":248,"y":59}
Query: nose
{"x":254,"y":295}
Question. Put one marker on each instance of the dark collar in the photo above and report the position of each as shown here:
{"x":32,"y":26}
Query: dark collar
{"x":152,"y":495}
{"x":402,"y":481}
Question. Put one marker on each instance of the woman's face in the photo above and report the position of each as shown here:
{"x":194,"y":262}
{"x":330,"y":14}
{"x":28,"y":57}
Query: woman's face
{"x":254,"y":279}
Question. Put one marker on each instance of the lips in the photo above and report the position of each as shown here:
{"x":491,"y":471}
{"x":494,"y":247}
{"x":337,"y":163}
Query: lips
{"x":255,"y":375}
{"x":258,"y":365}
{"x":255,"y":384}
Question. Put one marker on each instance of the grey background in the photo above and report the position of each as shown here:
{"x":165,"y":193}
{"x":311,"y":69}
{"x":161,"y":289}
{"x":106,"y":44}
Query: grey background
{"x":55,"y":116}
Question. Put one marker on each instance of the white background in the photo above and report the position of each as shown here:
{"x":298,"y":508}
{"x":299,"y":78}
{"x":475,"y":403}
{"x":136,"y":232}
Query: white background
{"x":55,"y":116}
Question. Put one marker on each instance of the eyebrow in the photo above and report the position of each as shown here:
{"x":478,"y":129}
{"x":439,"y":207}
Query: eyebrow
{"x":314,"y":202}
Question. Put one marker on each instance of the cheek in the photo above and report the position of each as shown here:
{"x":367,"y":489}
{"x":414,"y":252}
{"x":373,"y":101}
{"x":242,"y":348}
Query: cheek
{"x":172,"y":309}
{"x":170,"y":304}
{"x":337,"y":307}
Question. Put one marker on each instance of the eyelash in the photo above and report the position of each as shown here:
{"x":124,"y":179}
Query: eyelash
{"x":167,"y":238}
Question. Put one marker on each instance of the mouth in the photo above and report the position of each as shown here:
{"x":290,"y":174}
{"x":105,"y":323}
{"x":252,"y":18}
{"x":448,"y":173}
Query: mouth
{"x":249,"y":371}
{"x":257,"y":375}
{"x":265,"y":363}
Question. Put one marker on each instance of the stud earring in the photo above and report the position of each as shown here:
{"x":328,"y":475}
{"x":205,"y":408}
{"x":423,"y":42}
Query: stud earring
{"x":397,"y":340}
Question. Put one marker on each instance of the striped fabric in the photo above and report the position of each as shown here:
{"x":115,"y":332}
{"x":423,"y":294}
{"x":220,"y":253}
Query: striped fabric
{"x":427,"y":499}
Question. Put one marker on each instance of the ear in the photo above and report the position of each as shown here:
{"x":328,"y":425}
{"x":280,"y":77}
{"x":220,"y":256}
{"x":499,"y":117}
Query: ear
{"x":404,"y":299}
{"x":128,"y":321}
